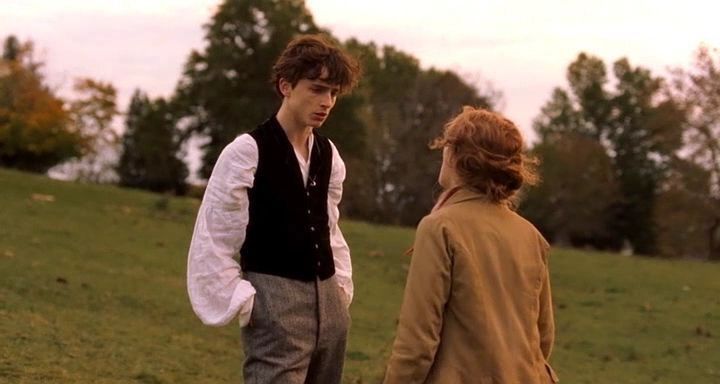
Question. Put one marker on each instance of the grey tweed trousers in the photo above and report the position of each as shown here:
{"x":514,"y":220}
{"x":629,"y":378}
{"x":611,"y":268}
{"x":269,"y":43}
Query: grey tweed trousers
{"x":297,"y":332}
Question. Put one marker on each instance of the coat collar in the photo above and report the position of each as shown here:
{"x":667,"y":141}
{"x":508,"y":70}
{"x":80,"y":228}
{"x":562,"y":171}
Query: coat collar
{"x":466,"y":194}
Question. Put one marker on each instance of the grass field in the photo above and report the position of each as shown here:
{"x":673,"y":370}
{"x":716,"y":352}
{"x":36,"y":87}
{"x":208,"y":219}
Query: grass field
{"x":92,"y":290}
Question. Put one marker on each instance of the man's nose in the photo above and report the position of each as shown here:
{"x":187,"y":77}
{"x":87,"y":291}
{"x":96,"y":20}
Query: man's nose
{"x":328,"y":100}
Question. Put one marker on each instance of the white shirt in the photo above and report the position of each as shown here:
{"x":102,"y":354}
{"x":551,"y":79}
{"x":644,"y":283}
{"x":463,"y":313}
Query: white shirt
{"x":214,"y":279}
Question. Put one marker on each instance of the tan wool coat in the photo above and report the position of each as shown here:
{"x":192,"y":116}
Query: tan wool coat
{"x":477,"y":305}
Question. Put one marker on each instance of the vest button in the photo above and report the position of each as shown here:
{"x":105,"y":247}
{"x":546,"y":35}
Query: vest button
{"x":317,"y":246}
{"x":312,"y":229}
{"x":308,"y":211}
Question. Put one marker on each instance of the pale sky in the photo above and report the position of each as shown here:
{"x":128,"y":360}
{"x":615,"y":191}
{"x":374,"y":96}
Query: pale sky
{"x":521,"y":47}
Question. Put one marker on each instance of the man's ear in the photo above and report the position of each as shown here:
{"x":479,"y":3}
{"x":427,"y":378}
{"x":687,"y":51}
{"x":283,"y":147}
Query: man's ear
{"x":285,"y":87}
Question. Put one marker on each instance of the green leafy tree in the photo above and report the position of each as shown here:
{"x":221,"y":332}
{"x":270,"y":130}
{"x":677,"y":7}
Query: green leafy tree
{"x":404,"y":108}
{"x":35,"y":129}
{"x":150,"y":147}
{"x":645,"y":136}
{"x":388,"y":88}
{"x":575,"y":203}
{"x":440,"y":94}
{"x":640,"y":129}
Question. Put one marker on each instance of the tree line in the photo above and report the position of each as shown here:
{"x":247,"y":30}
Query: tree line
{"x":629,"y":161}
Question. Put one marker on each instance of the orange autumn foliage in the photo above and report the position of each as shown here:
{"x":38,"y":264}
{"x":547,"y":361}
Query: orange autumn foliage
{"x":35,"y":129}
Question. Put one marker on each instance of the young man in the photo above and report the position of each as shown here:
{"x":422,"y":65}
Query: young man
{"x":272,"y":200}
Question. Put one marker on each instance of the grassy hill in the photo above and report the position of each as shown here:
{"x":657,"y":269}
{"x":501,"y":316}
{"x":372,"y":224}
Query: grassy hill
{"x":92,"y":290}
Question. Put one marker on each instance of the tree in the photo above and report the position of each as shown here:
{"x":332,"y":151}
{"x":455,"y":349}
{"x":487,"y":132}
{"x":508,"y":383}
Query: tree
{"x":12,"y":49}
{"x":404,"y":108}
{"x":645,"y":135}
{"x":92,"y":114}
{"x":560,"y":116}
{"x":388,"y":88}
{"x":699,"y":90}
{"x":640,"y":129}
{"x":684,"y":214}
{"x":150,"y":147}
{"x":225,"y":88}
{"x":575,"y":203}
{"x":440,"y":94}
{"x":35,"y":129}
{"x":22,"y":54}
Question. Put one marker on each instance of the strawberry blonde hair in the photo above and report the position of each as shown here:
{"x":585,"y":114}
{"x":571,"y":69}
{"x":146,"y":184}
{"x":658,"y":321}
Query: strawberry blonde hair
{"x":488,"y":154}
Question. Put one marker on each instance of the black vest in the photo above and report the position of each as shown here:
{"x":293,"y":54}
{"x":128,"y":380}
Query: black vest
{"x":288,"y":234}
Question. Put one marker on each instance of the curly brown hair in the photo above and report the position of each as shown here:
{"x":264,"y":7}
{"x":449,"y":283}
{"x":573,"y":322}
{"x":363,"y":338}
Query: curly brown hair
{"x":488,"y":154}
{"x":306,"y":56}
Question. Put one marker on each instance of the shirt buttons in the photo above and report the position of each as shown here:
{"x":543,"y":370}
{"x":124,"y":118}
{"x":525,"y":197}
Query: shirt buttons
{"x":308,"y":211}
{"x":317,"y":246}
{"x":312,"y":229}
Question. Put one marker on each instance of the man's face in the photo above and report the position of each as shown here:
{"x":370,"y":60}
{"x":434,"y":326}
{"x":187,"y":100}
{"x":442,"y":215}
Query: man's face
{"x":310,"y":101}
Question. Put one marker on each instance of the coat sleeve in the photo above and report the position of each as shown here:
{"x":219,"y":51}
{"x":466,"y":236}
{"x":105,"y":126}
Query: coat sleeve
{"x":421,"y":316}
{"x":546,"y":319}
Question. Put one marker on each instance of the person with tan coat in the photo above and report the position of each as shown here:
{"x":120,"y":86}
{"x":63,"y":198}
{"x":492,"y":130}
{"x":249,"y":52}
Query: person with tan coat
{"x":477,"y":306}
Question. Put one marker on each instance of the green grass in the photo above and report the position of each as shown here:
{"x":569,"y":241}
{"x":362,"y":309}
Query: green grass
{"x":92,"y":290}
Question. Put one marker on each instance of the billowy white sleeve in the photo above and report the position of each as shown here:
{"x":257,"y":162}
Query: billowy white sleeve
{"x":340,"y":249}
{"x":214,"y":279}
